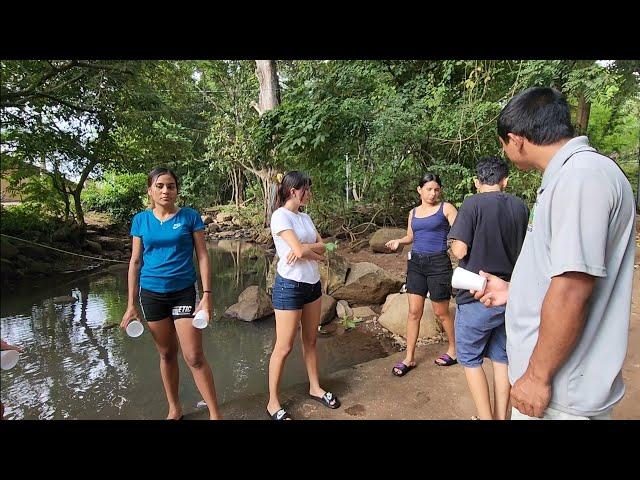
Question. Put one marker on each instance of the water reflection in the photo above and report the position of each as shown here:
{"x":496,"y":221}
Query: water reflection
{"x":78,"y":365}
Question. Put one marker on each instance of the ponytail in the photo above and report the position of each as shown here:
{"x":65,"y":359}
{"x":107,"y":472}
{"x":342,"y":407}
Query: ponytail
{"x":293,"y":179}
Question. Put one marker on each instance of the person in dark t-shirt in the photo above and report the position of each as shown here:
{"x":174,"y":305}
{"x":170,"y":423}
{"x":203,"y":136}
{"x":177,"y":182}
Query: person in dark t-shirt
{"x":487,"y":235}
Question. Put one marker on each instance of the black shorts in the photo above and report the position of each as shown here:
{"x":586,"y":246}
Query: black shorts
{"x":430,"y":273}
{"x":179,"y":304}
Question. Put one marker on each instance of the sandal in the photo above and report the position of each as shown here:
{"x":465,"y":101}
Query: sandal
{"x":281,"y":414}
{"x":403,"y":368}
{"x":446,"y":360}
{"x":327,"y":400}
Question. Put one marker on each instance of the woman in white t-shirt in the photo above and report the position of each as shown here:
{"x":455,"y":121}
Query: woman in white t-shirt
{"x":297,"y":294}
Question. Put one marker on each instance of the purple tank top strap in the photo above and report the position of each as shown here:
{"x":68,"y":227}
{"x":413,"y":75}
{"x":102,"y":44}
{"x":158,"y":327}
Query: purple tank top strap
{"x":430,"y":233}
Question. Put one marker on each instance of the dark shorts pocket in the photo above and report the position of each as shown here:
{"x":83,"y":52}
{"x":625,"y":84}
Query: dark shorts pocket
{"x":439,"y":287}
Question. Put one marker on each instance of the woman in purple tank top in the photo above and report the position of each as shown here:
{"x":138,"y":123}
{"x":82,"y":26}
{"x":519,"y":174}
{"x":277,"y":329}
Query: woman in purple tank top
{"x":428,"y":268}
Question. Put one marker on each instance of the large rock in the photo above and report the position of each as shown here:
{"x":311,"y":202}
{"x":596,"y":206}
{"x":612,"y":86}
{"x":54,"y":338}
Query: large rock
{"x":382,"y":236}
{"x":367,"y":283}
{"x":328,"y":309}
{"x":223,"y":217}
{"x":93,"y":247}
{"x":363,"y":312}
{"x":333,"y":272}
{"x":388,"y":301}
{"x":395,"y":318}
{"x":7,"y":249}
{"x":253,"y":304}
{"x":71,"y":233}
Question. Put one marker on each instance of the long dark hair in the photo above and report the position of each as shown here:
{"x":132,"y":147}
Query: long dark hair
{"x":153,"y":176}
{"x":430,"y":177}
{"x":292,"y":179}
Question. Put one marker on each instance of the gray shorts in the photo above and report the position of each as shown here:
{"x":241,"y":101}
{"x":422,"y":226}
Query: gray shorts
{"x":480,"y":333}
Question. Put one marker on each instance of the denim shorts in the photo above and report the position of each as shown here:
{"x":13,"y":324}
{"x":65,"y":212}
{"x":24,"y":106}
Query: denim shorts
{"x":291,"y":295}
{"x":480,"y":333}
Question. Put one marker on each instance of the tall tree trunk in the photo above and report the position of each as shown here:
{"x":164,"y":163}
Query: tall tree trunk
{"x":78,"y":190}
{"x":269,"y":98}
{"x":78,"y":205}
{"x":582,"y":114}
{"x":238,"y":185}
{"x":234,"y":186}
{"x":269,"y":187}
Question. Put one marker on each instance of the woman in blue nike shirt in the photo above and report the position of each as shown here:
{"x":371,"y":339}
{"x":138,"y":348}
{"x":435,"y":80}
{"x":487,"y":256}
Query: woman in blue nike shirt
{"x":164,"y":237}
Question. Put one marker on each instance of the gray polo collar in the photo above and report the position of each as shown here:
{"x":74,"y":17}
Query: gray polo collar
{"x":557,"y":161}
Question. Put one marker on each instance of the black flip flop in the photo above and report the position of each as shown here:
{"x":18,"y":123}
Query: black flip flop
{"x":403,"y":367}
{"x":326,"y":400}
{"x":281,"y":414}
{"x":446,"y":359}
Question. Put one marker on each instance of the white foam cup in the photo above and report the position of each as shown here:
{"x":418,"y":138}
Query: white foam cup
{"x":9,"y":359}
{"x":201,"y":320}
{"x":135,"y":329}
{"x":465,"y":280}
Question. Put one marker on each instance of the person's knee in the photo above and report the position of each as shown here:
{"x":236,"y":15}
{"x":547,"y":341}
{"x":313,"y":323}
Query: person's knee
{"x":282,"y":350}
{"x":309,"y":341}
{"x":415,"y":315}
{"x":168,"y":355}
{"x":194,"y":359}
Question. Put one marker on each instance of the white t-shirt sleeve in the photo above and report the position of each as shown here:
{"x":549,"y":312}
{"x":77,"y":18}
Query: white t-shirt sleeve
{"x":280,"y":222}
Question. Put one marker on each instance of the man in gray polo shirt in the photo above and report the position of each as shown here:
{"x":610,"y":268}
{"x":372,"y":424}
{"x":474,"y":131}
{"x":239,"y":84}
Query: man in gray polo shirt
{"x":569,"y":299}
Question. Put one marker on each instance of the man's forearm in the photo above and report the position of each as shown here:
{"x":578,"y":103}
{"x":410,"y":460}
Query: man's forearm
{"x":562,"y":319}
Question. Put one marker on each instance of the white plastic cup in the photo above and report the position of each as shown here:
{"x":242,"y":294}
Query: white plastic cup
{"x":9,"y":359}
{"x":465,"y":280}
{"x":135,"y":329}
{"x":201,"y":320}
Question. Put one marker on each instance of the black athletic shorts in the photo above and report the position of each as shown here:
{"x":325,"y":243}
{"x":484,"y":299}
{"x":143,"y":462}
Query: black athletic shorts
{"x":429,"y":273}
{"x":179,"y":304}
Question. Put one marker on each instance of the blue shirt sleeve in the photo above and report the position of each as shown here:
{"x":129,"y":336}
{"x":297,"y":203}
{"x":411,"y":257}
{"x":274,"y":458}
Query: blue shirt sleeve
{"x":197,"y":223}
{"x":135,"y":226}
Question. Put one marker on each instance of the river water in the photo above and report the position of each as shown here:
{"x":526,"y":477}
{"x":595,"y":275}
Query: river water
{"x":76,"y":365}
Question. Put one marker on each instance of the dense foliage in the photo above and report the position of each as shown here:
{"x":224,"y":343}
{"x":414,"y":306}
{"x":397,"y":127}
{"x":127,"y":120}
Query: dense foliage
{"x":365,"y":130}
